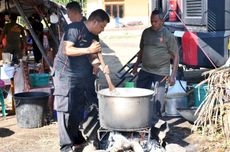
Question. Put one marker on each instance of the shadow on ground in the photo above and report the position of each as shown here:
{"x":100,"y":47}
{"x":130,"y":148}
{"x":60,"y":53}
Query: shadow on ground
{"x":5,"y":132}
{"x":179,"y":129}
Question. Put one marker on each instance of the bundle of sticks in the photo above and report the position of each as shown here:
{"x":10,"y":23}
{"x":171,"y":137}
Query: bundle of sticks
{"x":214,"y":112}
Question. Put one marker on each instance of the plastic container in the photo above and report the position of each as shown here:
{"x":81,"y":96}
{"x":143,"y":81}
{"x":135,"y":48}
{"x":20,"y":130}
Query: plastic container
{"x":200,"y":94}
{"x":129,"y":84}
{"x":39,"y":79}
{"x":178,"y":88}
{"x":31,"y":108}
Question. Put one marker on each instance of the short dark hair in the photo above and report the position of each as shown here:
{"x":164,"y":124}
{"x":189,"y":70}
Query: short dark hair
{"x":74,"y":6}
{"x":159,"y":13}
{"x":99,"y":15}
{"x":13,"y":16}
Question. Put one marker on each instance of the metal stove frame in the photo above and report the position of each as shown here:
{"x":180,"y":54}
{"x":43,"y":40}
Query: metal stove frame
{"x":101,"y":133}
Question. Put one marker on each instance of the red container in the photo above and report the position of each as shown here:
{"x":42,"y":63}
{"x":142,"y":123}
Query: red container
{"x":173,"y":8}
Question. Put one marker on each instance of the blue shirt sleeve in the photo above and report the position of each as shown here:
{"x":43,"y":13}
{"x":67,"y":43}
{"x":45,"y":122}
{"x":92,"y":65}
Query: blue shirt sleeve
{"x":71,"y":35}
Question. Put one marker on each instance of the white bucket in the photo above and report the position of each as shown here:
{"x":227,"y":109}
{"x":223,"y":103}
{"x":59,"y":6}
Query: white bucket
{"x":178,"y":88}
{"x":7,"y":72}
{"x":7,"y":58}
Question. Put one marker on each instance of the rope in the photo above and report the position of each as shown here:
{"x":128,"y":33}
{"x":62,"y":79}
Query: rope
{"x":213,"y":64}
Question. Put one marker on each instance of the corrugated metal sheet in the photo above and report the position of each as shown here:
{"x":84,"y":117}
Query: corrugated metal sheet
{"x":29,"y":6}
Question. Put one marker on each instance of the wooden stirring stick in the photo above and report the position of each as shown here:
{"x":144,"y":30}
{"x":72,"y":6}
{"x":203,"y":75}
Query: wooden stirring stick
{"x":107,"y":77}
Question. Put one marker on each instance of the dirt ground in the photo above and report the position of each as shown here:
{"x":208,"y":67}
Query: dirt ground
{"x":119,"y":45}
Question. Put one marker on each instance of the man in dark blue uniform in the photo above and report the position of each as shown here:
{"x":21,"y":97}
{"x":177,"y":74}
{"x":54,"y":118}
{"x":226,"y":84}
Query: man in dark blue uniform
{"x":74,"y":12}
{"x":72,"y":75}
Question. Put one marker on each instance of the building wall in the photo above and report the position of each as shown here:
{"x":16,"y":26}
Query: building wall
{"x":136,"y":8}
{"x":93,"y":5}
{"x":135,"y":11}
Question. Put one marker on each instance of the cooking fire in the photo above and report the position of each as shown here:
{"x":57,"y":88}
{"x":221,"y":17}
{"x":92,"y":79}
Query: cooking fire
{"x":126,"y":122}
{"x":136,"y":141}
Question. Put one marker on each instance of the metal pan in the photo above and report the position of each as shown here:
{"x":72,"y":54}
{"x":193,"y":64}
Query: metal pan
{"x":188,"y":114}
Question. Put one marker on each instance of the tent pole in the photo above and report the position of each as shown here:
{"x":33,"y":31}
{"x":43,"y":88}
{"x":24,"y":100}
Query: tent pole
{"x":40,"y":46}
{"x":50,"y":30}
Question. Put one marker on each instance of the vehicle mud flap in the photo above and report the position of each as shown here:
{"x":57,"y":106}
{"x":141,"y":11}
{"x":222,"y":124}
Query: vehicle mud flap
{"x":91,"y":124}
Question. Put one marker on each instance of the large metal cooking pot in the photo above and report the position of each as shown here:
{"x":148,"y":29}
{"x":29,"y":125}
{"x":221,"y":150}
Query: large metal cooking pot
{"x":130,"y":109}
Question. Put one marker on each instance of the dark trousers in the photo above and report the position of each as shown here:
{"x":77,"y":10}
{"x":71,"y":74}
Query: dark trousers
{"x":69,"y":133}
{"x":146,"y":80}
{"x":37,"y":53}
{"x":70,"y":104}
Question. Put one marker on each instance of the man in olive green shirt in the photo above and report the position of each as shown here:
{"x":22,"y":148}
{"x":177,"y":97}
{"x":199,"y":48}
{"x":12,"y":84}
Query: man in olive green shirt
{"x":157,"y":47}
{"x":14,"y":41}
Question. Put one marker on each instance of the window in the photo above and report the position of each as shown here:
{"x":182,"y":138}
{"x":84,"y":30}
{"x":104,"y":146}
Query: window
{"x":114,"y":0}
{"x":115,"y":10}
{"x":115,"y":13}
{"x":108,"y":9}
{"x":121,"y":10}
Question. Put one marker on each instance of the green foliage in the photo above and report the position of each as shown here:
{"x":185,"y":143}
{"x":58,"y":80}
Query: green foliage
{"x":81,"y":2}
{"x":64,"y":2}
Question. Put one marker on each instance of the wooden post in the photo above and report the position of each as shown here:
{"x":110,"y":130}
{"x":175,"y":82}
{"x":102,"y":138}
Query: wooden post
{"x":12,"y":91}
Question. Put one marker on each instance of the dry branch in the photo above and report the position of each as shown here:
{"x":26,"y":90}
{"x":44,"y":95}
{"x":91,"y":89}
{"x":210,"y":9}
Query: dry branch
{"x":214,"y":112}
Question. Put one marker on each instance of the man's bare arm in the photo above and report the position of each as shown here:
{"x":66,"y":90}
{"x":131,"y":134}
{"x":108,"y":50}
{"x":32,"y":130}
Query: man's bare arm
{"x":175,"y":58}
{"x":139,"y":58}
{"x":70,"y":50}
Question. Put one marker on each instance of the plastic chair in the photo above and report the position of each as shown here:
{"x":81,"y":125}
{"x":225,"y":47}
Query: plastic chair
{"x":2,"y":103}
{"x":2,"y":84}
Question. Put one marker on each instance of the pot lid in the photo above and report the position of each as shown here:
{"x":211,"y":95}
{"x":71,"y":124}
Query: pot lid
{"x":127,"y":92}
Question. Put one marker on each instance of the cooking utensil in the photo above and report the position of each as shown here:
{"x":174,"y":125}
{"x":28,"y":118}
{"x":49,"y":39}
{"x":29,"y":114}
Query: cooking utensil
{"x":174,"y":101}
{"x":107,"y":77}
{"x":188,"y":114}
{"x":131,"y":109}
